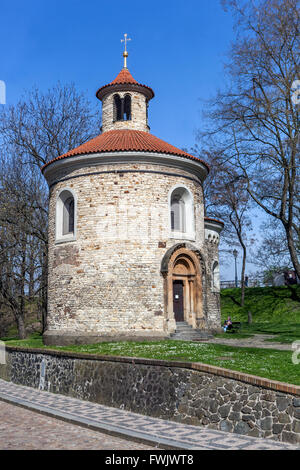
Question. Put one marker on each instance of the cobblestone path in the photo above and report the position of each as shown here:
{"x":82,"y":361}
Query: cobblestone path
{"x":22,"y":429}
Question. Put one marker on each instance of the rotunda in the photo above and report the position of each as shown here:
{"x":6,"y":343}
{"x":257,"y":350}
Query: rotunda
{"x":131,"y":254}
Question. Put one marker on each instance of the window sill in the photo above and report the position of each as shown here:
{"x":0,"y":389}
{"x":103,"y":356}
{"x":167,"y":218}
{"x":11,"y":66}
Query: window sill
{"x":65,"y":239}
{"x":183,"y":236}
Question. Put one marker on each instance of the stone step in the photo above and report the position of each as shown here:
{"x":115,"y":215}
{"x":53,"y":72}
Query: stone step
{"x":184,"y":328}
{"x":186,"y":332}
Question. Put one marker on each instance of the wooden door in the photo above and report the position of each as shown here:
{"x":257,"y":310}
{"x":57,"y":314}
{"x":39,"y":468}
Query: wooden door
{"x":178,"y":300}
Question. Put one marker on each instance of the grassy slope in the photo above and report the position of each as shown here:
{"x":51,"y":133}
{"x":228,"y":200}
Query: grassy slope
{"x":267,"y":304}
{"x":275,"y":310}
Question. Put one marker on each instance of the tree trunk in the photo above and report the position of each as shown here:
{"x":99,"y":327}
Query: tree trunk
{"x":44,"y":296}
{"x":21,"y":325}
{"x":31,"y":281}
{"x":20,"y":316}
{"x":243,"y":274}
{"x":292,"y":249}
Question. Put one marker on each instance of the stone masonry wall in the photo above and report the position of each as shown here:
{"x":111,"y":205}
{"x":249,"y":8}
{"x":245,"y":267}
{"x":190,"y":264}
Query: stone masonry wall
{"x":138,"y":119}
{"x":108,"y":280}
{"x":213,"y":298}
{"x":183,"y":392}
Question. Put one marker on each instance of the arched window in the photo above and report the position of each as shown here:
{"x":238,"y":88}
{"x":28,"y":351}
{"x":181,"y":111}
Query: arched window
{"x":122,"y":108}
{"x":68,"y":216}
{"x":65,"y":216}
{"x":177,"y":213}
{"x":127,"y":108}
{"x":182,"y":212}
{"x":117,"y":108}
{"x":215,"y":276}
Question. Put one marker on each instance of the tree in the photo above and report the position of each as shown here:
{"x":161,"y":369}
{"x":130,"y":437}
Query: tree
{"x":43,"y":126}
{"x":268,"y":275}
{"x":40,"y":127}
{"x":272,"y":252}
{"x":255,"y":119}
{"x":227,"y":199}
{"x":23,"y":234}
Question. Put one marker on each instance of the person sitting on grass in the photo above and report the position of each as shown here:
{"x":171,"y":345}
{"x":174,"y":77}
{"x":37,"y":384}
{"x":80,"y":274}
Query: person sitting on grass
{"x":227,"y":324}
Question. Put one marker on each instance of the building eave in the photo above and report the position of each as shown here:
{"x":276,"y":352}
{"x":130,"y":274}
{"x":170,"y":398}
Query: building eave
{"x":196,"y":168}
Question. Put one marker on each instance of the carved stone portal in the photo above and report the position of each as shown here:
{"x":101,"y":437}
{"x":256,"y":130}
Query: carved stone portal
{"x":183,"y":290}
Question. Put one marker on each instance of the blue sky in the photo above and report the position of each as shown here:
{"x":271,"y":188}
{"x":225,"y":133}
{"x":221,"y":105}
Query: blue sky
{"x":178,"y":48}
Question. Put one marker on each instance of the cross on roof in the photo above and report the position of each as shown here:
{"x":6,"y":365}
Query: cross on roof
{"x":125,"y":53}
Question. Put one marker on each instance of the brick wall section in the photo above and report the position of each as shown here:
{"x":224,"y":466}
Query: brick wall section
{"x":107,"y":281}
{"x":192,"y":393}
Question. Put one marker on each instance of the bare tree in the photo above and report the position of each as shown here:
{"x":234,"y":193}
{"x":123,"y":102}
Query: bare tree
{"x":273,"y":250}
{"x":227,"y":199}
{"x":43,"y":126}
{"x":40,"y":127}
{"x":256,"y":118}
{"x":23,"y":232}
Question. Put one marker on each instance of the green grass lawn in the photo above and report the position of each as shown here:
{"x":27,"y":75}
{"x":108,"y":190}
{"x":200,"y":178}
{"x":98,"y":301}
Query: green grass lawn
{"x":272,"y":364}
{"x":275,"y":311}
{"x":267,"y":304}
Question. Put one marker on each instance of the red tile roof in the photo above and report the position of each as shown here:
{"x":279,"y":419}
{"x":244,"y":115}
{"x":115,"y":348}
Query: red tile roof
{"x":124,"y":78}
{"x":126,"y":140}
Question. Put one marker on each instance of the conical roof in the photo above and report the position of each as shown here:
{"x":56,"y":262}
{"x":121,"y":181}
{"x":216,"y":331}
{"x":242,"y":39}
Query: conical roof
{"x":124,"y":78}
{"x":126,"y":140}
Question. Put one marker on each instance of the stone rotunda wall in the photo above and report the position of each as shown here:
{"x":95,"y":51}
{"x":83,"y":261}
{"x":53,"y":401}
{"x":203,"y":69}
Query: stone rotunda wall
{"x":107,"y":282}
{"x":118,"y":204}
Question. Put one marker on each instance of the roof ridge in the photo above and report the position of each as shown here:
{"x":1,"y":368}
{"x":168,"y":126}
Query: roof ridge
{"x":124,"y":77}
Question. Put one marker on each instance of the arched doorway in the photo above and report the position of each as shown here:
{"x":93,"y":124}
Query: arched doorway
{"x":183,"y":289}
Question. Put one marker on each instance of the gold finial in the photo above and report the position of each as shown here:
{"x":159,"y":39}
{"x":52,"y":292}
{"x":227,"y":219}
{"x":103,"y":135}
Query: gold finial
{"x":125,"y":53}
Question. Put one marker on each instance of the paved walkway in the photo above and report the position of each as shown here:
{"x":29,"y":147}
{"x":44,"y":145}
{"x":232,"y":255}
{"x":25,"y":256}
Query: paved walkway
{"x":152,"y":431}
{"x":22,"y":429}
{"x":256,"y":341}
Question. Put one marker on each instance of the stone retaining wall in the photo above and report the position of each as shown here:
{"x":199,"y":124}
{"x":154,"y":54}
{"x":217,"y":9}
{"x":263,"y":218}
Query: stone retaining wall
{"x":190,"y":393}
